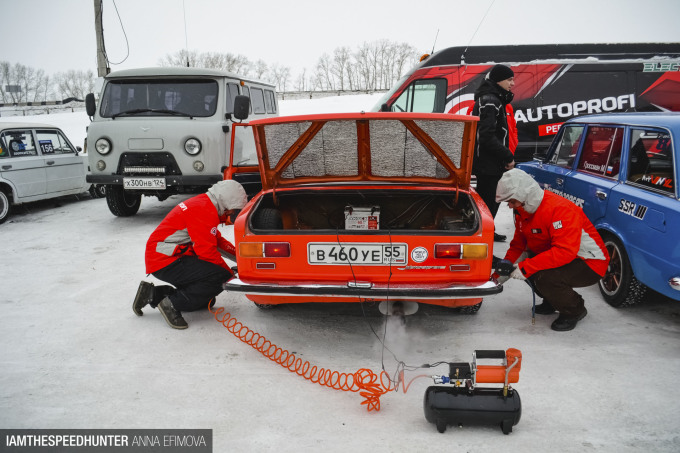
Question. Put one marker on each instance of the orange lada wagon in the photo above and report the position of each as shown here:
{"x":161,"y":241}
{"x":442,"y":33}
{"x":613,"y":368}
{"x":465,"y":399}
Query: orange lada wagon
{"x":365,"y":207}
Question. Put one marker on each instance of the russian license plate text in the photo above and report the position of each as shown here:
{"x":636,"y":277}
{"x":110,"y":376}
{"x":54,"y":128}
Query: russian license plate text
{"x":357,"y":254}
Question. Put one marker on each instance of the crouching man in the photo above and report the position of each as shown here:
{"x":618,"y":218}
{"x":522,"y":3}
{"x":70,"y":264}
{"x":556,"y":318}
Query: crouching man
{"x":186,"y":251}
{"x":564,"y":250}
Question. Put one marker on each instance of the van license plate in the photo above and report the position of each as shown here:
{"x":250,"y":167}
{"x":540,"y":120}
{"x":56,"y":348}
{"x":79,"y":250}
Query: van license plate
{"x":144,"y":183}
{"x":357,"y":254}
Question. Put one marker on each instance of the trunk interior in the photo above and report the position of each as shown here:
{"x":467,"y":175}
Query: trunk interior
{"x":364,"y":211}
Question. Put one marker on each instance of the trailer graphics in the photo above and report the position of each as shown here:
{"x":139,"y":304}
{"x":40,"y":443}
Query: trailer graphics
{"x":552,"y":84}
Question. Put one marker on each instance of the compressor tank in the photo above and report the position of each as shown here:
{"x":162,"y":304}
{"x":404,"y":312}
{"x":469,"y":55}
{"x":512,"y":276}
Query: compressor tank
{"x":446,"y":406}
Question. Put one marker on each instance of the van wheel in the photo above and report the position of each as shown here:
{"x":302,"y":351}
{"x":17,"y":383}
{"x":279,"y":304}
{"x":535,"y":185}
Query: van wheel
{"x":267,"y":219}
{"x":97,"y":190}
{"x":619,"y":287}
{"x":121,"y":203}
{"x":5,"y":205}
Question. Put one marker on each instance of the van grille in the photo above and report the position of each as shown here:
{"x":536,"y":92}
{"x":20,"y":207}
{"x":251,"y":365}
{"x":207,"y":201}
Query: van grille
{"x":144,"y":170}
{"x":148,"y":164}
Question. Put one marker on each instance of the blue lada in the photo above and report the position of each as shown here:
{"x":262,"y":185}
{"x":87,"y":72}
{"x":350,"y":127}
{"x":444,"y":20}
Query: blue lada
{"x":622,"y":169}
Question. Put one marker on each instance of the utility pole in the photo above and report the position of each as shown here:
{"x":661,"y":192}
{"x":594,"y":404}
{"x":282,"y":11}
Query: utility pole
{"x":102,"y":66}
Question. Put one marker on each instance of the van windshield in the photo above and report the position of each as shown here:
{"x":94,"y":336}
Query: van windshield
{"x":159,"y":97}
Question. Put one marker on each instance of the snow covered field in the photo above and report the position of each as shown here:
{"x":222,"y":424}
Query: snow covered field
{"x":75,"y":356}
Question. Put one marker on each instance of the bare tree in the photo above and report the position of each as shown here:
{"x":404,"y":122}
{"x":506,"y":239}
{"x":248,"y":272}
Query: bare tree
{"x":341,"y":60}
{"x":75,"y":84}
{"x":260,"y":69}
{"x":238,"y":64}
{"x":324,"y":75}
{"x":280,"y":75}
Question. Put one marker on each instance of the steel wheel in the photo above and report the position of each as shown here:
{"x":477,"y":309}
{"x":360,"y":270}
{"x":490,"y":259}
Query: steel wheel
{"x":619,"y":287}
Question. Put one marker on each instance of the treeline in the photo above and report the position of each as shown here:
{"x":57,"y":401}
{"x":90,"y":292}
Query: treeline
{"x":19,"y":83}
{"x":372,"y":66}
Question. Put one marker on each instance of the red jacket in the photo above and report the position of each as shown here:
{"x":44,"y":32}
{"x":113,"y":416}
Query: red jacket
{"x":556,"y":234}
{"x":189,"y":229}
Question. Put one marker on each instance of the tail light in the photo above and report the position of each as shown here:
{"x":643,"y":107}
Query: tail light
{"x":462,"y":251}
{"x":264,"y":249}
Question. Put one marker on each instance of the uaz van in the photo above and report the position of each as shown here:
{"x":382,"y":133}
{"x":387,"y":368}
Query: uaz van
{"x":552,"y":83}
{"x":166,"y":131}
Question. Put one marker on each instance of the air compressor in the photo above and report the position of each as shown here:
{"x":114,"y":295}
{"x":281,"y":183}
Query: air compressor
{"x":463,"y":402}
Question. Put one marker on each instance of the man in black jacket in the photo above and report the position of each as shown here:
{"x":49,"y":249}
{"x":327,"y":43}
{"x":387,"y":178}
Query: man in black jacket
{"x":492,"y":155}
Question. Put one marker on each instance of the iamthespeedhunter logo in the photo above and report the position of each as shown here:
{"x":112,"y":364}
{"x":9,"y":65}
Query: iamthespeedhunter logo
{"x":106,"y":440}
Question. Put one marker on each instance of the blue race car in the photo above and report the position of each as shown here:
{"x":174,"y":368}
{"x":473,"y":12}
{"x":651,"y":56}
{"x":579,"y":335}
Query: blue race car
{"x":622,"y":169}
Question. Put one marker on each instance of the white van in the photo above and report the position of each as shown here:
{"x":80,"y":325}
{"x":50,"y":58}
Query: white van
{"x":166,"y":131}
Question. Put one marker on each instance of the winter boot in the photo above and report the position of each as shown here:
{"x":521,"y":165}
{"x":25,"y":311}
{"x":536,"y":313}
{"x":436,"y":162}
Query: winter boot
{"x":143,"y":298}
{"x":172,"y":316}
{"x":545,"y":308}
{"x":562,"y":324}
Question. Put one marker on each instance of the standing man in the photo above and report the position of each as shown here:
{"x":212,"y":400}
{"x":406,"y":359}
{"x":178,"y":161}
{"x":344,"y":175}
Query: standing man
{"x":492,"y":152}
{"x":564,"y":249}
{"x":186,"y":251}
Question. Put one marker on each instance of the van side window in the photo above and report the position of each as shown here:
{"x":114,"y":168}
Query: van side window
{"x":566,"y":149}
{"x":270,"y":101}
{"x":650,"y":160}
{"x":424,"y":96}
{"x":52,"y":142}
{"x":246,"y":92}
{"x":257,"y":100}
{"x":601,"y":153}
{"x":232,"y":92}
{"x":18,"y":143}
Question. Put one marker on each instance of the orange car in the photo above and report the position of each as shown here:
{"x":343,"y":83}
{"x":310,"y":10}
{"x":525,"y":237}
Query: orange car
{"x":365,"y":207}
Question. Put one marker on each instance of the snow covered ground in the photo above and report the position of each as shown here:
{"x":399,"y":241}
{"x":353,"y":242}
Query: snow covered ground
{"x":75,"y":356}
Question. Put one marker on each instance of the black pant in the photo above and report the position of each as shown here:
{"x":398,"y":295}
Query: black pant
{"x":486,"y":188}
{"x":557,"y":286}
{"x":197,"y":282}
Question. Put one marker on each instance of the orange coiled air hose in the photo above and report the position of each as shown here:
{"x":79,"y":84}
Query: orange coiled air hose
{"x":369,"y":385}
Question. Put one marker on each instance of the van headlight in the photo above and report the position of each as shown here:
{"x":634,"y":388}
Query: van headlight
{"x":103,"y":146}
{"x":192,"y":146}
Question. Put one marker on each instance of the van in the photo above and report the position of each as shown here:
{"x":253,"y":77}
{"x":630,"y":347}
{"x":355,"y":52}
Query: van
{"x":553,"y":82}
{"x":166,"y":131}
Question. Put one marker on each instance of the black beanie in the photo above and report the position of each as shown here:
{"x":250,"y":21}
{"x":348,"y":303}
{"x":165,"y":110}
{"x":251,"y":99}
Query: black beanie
{"x":500,"y":72}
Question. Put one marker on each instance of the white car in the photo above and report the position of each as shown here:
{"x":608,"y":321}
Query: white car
{"x":37,"y":161}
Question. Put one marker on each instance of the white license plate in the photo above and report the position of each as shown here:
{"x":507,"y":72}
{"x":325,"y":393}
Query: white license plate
{"x":357,"y":254}
{"x":144,"y":183}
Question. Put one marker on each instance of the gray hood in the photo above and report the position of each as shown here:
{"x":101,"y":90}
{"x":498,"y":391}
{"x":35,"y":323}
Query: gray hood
{"x":518,"y":185}
{"x":227,"y":195}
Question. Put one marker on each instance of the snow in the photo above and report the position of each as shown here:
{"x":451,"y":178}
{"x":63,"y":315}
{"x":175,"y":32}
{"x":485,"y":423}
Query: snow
{"x":75,"y":356}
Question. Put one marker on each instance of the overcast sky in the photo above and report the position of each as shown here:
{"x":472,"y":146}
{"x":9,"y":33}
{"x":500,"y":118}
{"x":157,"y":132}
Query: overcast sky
{"x":58,"y":35}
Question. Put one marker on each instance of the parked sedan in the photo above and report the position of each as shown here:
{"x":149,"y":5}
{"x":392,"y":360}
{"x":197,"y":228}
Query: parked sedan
{"x":37,"y":161}
{"x":365,"y":207}
{"x":622,"y":170}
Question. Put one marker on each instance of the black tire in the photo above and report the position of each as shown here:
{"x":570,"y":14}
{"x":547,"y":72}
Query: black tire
{"x":619,"y":287}
{"x":470,"y":309}
{"x":121,"y":203}
{"x":267,"y":219}
{"x":97,"y":190}
{"x":5,"y":205}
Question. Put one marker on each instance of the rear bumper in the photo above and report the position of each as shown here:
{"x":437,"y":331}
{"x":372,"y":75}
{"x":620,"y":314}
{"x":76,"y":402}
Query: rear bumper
{"x":393,"y":292}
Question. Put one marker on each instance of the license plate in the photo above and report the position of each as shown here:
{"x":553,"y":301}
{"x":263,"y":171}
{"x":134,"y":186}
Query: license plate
{"x":357,"y":254}
{"x":144,"y":183}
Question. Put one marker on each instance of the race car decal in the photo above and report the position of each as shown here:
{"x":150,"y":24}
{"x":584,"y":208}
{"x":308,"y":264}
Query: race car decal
{"x":574,"y":199}
{"x":630,"y":208}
